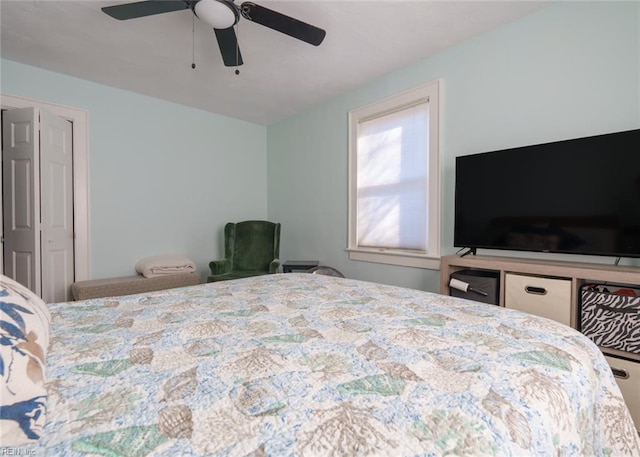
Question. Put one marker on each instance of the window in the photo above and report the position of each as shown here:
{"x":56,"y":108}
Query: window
{"x":394,"y":198}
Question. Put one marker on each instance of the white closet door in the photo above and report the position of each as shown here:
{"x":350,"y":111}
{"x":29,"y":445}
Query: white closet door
{"x":56,"y":181}
{"x":21,"y":189}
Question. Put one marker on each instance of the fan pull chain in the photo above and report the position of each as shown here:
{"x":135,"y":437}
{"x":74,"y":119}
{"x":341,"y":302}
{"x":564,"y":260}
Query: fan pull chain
{"x":193,"y":41}
{"x":237,"y":47}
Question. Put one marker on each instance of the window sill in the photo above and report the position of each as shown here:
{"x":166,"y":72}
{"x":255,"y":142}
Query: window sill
{"x":405,"y":259}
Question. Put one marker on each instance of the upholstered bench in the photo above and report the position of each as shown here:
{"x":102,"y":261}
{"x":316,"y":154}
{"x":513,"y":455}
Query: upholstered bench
{"x":111,"y":287}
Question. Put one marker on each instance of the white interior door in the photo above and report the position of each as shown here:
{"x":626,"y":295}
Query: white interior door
{"x":37,"y":180}
{"x":80,"y":121}
{"x":56,"y":184}
{"x":21,"y":191}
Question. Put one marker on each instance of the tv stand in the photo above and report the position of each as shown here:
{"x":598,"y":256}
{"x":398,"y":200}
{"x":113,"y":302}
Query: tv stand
{"x":471,"y":251}
{"x":562,"y":306}
{"x":576,"y":272}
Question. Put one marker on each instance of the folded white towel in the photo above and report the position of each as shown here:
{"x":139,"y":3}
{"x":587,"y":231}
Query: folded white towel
{"x":161,"y":265}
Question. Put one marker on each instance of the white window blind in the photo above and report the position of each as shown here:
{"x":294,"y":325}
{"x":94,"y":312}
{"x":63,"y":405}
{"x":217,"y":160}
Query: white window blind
{"x":393,"y":179}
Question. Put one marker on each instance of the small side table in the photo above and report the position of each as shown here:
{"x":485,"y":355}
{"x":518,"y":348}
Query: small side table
{"x":298,"y":265}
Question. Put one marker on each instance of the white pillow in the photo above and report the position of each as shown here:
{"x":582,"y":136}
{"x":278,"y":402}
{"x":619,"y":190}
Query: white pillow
{"x":25,"y":326}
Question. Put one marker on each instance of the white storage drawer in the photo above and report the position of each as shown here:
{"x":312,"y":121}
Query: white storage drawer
{"x":627,"y":375}
{"x":550,"y":298}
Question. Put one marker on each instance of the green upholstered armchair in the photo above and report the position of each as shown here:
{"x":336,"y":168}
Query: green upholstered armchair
{"x":251,"y":248}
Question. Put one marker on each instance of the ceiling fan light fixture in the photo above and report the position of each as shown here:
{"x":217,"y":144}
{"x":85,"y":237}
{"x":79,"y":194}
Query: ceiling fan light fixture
{"x":222,"y":15}
{"x":218,"y":13}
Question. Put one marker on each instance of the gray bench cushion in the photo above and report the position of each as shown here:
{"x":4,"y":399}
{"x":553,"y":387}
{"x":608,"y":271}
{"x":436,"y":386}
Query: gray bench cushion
{"x":111,"y":287}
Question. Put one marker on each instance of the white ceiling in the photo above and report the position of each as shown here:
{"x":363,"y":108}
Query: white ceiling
{"x":280,"y":77}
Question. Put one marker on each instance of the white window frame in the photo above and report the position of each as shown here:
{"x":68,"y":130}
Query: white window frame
{"x":429,"y":92}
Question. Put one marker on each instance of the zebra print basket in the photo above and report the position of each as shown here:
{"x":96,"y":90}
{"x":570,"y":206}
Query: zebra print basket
{"x":609,"y":318}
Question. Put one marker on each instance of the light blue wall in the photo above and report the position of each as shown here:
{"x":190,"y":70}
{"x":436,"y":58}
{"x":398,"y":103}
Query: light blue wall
{"x":164,"y":178}
{"x":569,"y":70}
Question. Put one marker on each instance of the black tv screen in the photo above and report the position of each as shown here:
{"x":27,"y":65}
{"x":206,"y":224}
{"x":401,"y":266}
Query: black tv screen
{"x":579,"y":196}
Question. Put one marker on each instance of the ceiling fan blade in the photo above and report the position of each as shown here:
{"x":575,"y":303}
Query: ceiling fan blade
{"x":228,"y":44}
{"x":146,"y":8}
{"x":285,"y":24}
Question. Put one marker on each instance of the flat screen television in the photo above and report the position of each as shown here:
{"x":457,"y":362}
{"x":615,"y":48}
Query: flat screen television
{"x":579,"y":196}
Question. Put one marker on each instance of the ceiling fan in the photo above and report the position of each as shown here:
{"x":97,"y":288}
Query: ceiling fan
{"x":223,"y":15}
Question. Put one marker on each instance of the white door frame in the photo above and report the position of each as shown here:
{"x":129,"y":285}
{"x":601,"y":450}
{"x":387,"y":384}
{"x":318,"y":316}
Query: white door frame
{"x":80,"y":120}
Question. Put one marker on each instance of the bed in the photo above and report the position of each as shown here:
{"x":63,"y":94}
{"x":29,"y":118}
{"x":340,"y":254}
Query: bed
{"x":309,"y":365}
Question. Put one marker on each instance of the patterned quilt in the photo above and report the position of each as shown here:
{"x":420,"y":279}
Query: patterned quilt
{"x":310,"y":365}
